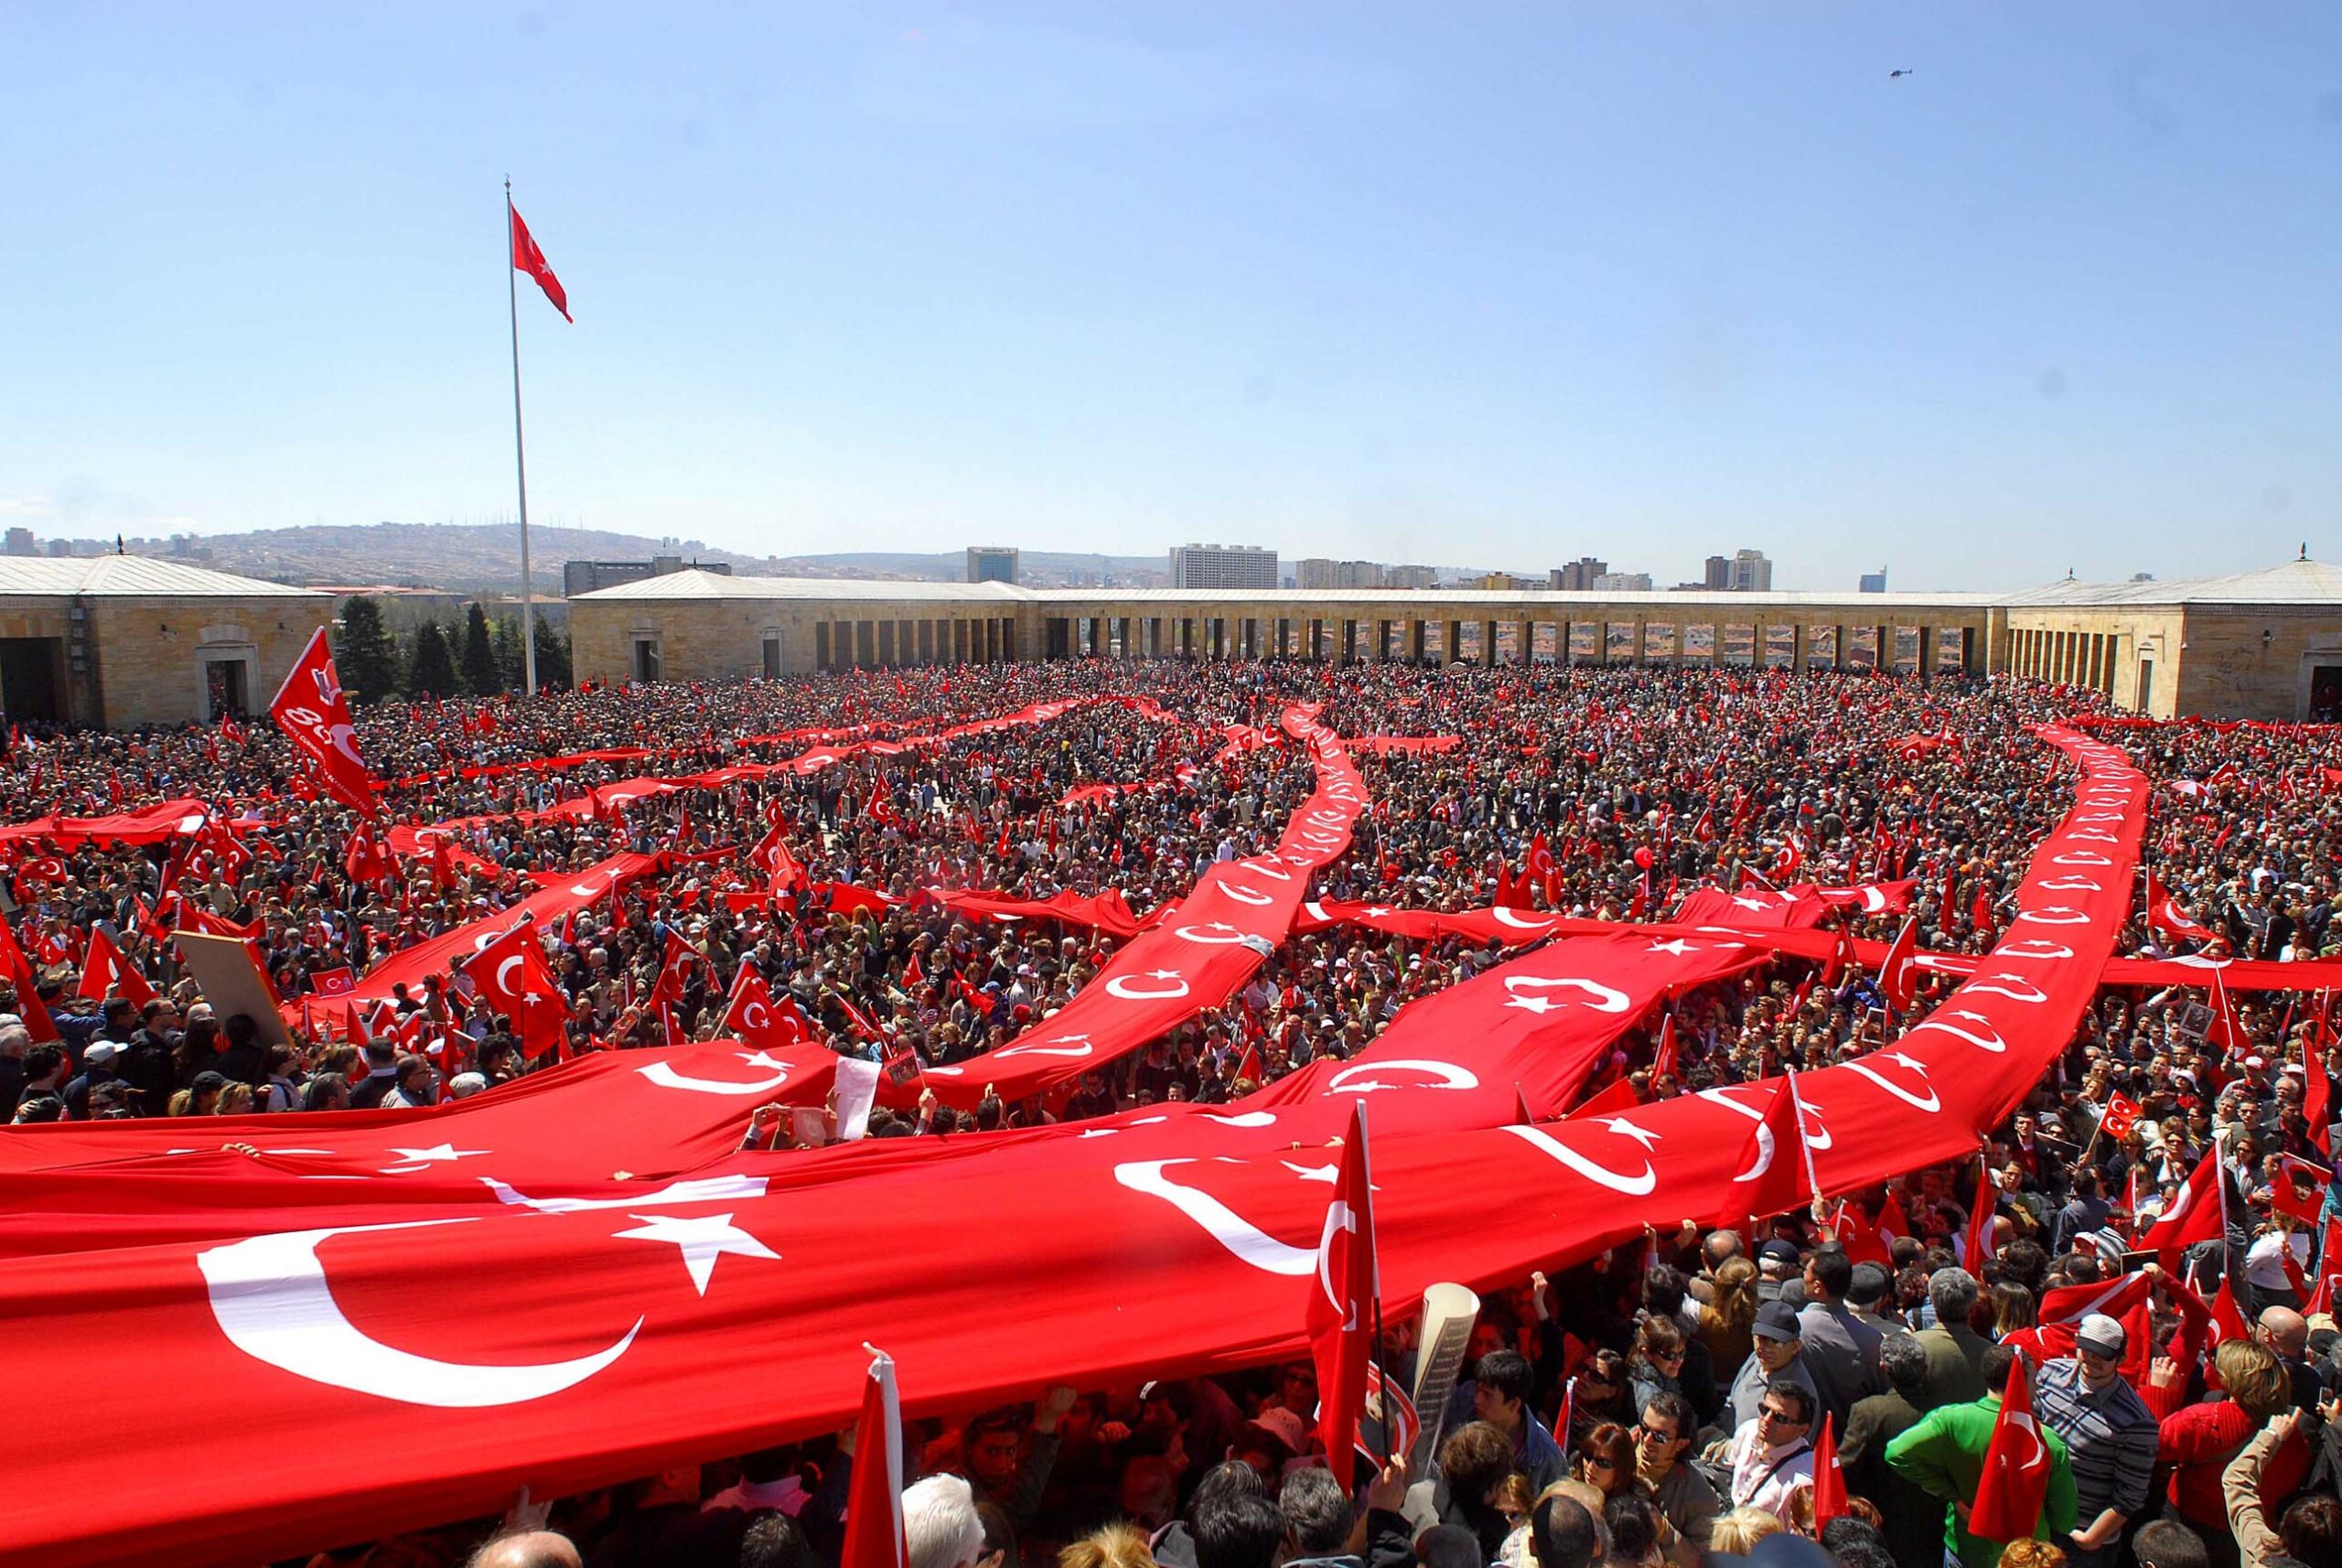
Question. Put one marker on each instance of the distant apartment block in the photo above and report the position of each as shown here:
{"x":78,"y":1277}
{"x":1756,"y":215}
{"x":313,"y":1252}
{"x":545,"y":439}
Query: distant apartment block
{"x":994,"y":563}
{"x":1317,"y":572}
{"x":586,"y":576}
{"x":1718,"y":575}
{"x":1411,"y":577}
{"x":1874,"y":582}
{"x":1578,"y":576}
{"x":1751,"y":573}
{"x":1247,"y":566}
{"x":1621,"y":583}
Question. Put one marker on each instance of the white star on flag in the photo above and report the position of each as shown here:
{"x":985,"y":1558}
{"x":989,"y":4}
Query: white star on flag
{"x":703,"y":1239}
{"x":416,"y":1159}
{"x":1627,"y":1129}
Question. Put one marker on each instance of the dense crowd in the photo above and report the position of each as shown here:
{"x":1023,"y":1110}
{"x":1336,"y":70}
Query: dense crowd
{"x":1659,"y":1403}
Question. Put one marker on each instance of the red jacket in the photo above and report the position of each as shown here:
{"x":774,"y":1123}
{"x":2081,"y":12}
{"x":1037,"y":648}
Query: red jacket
{"x":2198,"y":1441}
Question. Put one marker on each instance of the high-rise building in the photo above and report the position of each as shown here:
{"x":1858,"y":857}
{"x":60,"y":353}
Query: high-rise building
{"x":1317,"y":572}
{"x":21,"y":543}
{"x":1751,"y":573}
{"x":1223,"y":567}
{"x":1578,"y":576}
{"x":992,"y":563}
{"x":1621,"y":583}
{"x":1874,"y":582}
{"x":588,"y":576}
{"x":1417,"y":577}
{"x":1719,"y":573}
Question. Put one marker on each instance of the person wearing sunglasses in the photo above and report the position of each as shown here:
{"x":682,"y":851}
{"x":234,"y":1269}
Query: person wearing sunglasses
{"x":1687,"y":1505}
{"x":1771,"y":1456}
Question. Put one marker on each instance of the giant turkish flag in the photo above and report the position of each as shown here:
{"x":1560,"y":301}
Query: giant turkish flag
{"x":590,"y":1342}
{"x":310,"y":708}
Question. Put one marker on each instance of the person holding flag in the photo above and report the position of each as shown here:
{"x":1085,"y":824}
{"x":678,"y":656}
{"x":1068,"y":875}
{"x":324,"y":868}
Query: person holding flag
{"x":1953,"y":1448}
{"x":2108,"y":1431}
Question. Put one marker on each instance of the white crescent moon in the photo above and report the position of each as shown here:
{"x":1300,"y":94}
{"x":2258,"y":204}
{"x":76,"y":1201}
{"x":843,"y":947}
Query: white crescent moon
{"x":1506,"y":916}
{"x":272,"y":1300}
{"x":1247,"y":1240}
{"x":504,"y":971}
{"x":664,"y":1075}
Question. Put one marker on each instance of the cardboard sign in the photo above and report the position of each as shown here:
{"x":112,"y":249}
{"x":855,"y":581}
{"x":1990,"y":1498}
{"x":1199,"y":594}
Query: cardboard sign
{"x":232,"y":981}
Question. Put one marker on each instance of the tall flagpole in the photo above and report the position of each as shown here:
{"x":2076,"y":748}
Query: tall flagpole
{"x":519,"y":461}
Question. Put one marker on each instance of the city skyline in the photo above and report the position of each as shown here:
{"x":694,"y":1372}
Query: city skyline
{"x":1354,"y":287}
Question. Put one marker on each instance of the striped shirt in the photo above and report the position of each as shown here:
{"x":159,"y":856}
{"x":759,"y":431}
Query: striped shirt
{"x":2109,"y":1434}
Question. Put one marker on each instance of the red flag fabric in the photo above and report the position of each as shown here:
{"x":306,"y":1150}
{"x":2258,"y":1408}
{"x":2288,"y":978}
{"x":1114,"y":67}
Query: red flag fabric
{"x":18,"y":972}
{"x":1976,"y":1245}
{"x":2299,"y":1189}
{"x":1829,"y":1478}
{"x":1342,"y":1302}
{"x":2121,"y":1115}
{"x":106,"y":972}
{"x":874,"y":1513}
{"x":1139,"y":1264}
{"x":1898,"y":977}
{"x":511,"y":974}
{"x":1618,"y":1096}
{"x":2164,"y":914}
{"x":1662,"y":1054}
{"x":311,"y":709}
{"x":2194,"y":1215}
{"x":2317,"y":1093}
{"x":529,"y":259}
{"x":2015,"y":1480}
{"x":2228,"y":1319}
{"x":752,"y":1014}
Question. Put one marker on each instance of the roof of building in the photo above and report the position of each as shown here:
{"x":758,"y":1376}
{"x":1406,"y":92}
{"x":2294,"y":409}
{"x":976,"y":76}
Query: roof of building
{"x":129,"y":577}
{"x":690,"y":585}
{"x":2308,"y":583}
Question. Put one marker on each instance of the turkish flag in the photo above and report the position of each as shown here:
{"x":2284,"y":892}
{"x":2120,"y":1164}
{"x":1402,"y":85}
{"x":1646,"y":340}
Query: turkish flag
{"x":18,"y":972}
{"x":874,"y":1511}
{"x":1829,"y":1478}
{"x":1775,"y":1164}
{"x":1342,"y":1297}
{"x":2299,"y":1190}
{"x":527,"y":258}
{"x":675,"y":966}
{"x":310,"y":709}
{"x":2194,"y":1215}
{"x":754,"y":1016}
{"x":511,"y":974}
{"x":2164,"y":914}
{"x":105,"y":969}
{"x":2317,"y":1093}
{"x":1899,"y":976}
{"x":2121,"y":1116}
{"x":2015,"y":1481}
{"x":1663,"y":1054}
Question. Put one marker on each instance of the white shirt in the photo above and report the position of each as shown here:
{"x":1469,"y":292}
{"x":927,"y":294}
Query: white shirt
{"x":1762,"y":1478}
{"x":2264,"y":1265}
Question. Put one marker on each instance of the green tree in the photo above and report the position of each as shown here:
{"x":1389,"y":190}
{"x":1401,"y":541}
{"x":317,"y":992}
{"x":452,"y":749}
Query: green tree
{"x":508,"y":653}
{"x":553,"y":658}
{"x":482,"y":673}
{"x":432,"y":672}
{"x":365,"y":654}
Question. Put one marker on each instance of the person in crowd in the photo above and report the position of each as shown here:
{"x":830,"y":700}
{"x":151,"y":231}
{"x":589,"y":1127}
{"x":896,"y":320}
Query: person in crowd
{"x":2108,"y":1431}
{"x":1914,"y":1529}
{"x":1943,"y":1453}
{"x":1955,"y":1351}
{"x":1687,"y":1504}
{"x":1770,"y":1457}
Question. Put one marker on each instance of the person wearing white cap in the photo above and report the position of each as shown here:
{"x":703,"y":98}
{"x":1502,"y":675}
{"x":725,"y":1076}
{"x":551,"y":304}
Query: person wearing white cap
{"x":2109,"y":1433}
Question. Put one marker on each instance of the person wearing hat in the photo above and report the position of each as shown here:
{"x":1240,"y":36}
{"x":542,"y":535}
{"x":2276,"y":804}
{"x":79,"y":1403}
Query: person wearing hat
{"x":1943,"y":1455}
{"x":1777,"y":1353}
{"x":2109,"y":1430}
{"x":98,"y":1063}
{"x":1776,"y":1265}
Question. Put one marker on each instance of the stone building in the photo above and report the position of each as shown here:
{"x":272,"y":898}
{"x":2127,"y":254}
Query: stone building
{"x":2261,"y":645}
{"x":121,"y":640}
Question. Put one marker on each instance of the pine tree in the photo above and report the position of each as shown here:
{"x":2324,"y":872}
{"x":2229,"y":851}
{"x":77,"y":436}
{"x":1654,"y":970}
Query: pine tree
{"x":364,"y":653}
{"x":553,"y":658}
{"x":508,"y":653}
{"x":482,"y":673}
{"x":433,"y":671}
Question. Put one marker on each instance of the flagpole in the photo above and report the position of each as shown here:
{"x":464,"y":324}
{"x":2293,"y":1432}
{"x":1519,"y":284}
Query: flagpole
{"x":520,"y":463}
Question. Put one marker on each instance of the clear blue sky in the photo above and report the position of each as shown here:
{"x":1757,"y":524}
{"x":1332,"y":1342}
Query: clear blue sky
{"x":1495,"y":286}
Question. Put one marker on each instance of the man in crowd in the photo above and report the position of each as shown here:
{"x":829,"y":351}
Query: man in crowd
{"x":1942,"y":1455}
{"x":2108,"y":1431}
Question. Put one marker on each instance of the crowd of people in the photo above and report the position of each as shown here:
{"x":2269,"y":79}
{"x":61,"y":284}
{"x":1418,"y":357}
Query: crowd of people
{"x":1661,"y":1402}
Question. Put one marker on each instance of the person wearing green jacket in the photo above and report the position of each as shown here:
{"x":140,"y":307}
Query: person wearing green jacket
{"x":1943,"y":1455}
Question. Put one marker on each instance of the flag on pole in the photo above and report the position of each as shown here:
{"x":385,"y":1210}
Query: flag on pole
{"x":532,"y":260}
{"x":874,"y":1513}
{"x":1342,"y":1297}
{"x":1829,"y":1479}
{"x":2015,"y":1481}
